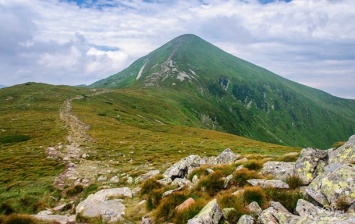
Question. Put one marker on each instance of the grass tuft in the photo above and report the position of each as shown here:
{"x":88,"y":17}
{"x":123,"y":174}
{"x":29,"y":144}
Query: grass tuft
{"x":19,"y":219}
{"x":255,"y":193}
{"x":288,"y":198}
{"x":240,"y":177}
{"x":294,"y":181}
{"x":253,"y":165}
{"x":211,"y":184}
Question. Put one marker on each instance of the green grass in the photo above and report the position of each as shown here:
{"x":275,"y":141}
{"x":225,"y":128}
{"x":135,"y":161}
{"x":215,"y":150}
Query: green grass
{"x":148,"y":129}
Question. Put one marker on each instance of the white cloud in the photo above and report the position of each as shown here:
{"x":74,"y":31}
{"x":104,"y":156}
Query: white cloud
{"x":57,"y":42}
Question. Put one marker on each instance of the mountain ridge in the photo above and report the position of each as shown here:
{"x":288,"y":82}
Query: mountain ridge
{"x":238,"y":97}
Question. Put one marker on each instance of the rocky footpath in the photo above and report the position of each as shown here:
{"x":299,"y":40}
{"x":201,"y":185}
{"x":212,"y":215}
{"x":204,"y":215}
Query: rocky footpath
{"x":326,"y":178}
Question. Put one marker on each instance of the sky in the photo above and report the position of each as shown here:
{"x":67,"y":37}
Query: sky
{"x":76,"y":42}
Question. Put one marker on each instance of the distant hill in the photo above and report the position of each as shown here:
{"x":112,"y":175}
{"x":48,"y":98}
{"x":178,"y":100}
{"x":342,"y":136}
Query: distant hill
{"x":219,"y":91}
{"x":2,"y":86}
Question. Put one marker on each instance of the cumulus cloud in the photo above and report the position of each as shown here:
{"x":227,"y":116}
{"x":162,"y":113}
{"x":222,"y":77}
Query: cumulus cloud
{"x":74,"y":42}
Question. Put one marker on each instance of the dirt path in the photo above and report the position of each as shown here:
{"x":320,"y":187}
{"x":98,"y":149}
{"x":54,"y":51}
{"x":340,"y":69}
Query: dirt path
{"x":78,"y":169}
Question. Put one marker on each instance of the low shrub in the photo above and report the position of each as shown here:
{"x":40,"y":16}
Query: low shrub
{"x":6,"y":208}
{"x":225,"y":169}
{"x":199,"y":172}
{"x":294,"y":181}
{"x":233,"y":201}
{"x":166,"y":208}
{"x":256,"y":194}
{"x":74,"y":190}
{"x":152,"y":191}
{"x":342,"y":204}
{"x":288,"y":198}
{"x":211,"y":184}
{"x":338,"y":144}
{"x":181,"y":217}
{"x":19,"y":219}
{"x":253,"y":164}
{"x":14,"y":138}
{"x":149,"y":185}
{"x":241,"y":176}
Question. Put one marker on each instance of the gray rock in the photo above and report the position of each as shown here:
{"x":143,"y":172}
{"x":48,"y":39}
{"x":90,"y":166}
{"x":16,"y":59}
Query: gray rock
{"x":312,"y":214}
{"x":114,"y":179}
{"x":100,"y":205}
{"x":147,"y":220}
{"x":227,"y":156}
{"x":254,"y":208}
{"x":136,"y":191}
{"x":227,"y":180}
{"x":310,"y":163}
{"x":280,"y":170}
{"x":129,"y":180}
{"x":110,"y":211}
{"x":345,"y":153}
{"x":182,"y":182}
{"x":246,"y":219}
{"x":326,"y":189}
{"x":276,"y":213}
{"x":268,"y":183}
{"x":166,"y":193}
{"x":210,"y":214}
{"x":165,"y":181}
{"x":182,"y":168}
{"x":62,"y":219}
{"x":102,"y":178}
{"x":195,"y":179}
{"x":147,"y":176}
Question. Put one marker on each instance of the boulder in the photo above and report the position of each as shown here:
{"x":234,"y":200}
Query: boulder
{"x":227,"y":156}
{"x":254,"y":208}
{"x":185,"y":205}
{"x":182,"y":182}
{"x":276,"y":213}
{"x":182,"y":168}
{"x":147,"y":220}
{"x":246,"y":219}
{"x":312,"y":214}
{"x":345,"y":153}
{"x":210,"y":214}
{"x":310,"y":163}
{"x":327,"y":188}
{"x":268,"y":183}
{"x":280,"y":170}
{"x":99,"y":204}
{"x":146,"y":176}
{"x":114,"y":179}
{"x":227,"y":180}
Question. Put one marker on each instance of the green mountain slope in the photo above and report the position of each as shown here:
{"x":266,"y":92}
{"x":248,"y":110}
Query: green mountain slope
{"x":222,"y":92}
{"x":130,"y":130}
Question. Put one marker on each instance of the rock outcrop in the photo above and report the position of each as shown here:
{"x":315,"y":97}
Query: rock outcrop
{"x":210,"y":214}
{"x":280,"y":170}
{"x":102,"y":205}
{"x":310,"y":163}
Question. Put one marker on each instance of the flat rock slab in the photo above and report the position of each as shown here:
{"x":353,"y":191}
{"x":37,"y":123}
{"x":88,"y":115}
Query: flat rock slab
{"x":110,"y":211}
{"x":268,"y":183}
{"x":327,"y":188}
{"x":280,"y":170}
{"x":62,"y":219}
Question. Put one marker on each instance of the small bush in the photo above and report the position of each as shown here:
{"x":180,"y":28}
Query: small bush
{"x":6,"y":208}
{"x":240,"y":177}
{"x":20,"y":219}
{"x":253,"y":165}
{"x":342,"y":204}
{"x":338,"y":144}
{"x":294,"y":181}
{"x":200,"y":172}
{"x":212,"y":184}
{"x":14,"y":138}
{"x":288,"y":198}
{"x":89,"y":190}
{"x":166,"y":208}
{"x":256,"y":194}
{"x":225,"y":169}
{"x":183,"y":216}
{"x":74,"y":190}
{"x":232,"y":201}
{"x":150,"y":185}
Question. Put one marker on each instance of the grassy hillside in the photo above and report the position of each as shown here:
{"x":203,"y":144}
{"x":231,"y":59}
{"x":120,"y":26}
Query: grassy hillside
{"x":130,"y":130}
{"x":229,"y":94}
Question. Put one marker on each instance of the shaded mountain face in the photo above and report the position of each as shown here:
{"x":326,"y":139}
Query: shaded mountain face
{"x":228,"y":94}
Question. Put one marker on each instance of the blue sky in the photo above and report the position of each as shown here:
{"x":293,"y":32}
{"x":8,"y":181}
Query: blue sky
{"x":74,"y":42}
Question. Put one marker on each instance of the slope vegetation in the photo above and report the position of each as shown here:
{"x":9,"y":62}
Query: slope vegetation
{"x":222,"y":92}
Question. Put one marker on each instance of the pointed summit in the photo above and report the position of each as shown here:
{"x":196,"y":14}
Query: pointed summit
{"x":185,"y":60}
